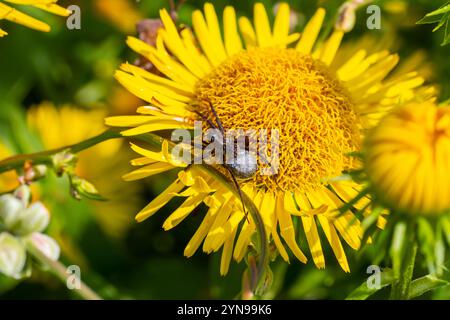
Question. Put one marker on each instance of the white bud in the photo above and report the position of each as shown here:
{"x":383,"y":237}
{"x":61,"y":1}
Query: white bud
{"x":12,"y":256}
{"x":346,"y":17}
{"x":35,"y":218}
{"x":45,"y":244}
{"x":10,"y":207}
{"x":23,"y":193}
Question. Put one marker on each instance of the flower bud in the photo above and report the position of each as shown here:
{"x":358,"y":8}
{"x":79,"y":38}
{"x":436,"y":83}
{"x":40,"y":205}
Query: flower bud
{"x":12,"y":256}
{"x":346,"y":17}
{"x":406,"y":159}
{"x":10,"y":207}
{"x":45,"y":244}
{"x":35,"y":173}
{"x":35,"y":218}
{"x":64,"y":162}
{"x":23,"y":193}
{"x":81,"y":187}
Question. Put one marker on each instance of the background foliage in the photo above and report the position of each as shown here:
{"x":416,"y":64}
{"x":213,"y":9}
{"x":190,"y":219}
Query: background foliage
{"x":75,"y":67}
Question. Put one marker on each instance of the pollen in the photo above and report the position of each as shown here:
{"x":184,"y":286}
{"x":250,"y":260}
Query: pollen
{"x":283,"y":89}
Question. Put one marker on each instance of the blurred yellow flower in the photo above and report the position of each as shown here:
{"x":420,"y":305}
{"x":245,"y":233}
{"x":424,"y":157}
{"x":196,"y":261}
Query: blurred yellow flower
{"x":102,"y":165}
{"x":14,"y":15}
{"x":407,"y":159}
{"x":8,"y":180}
{"x":121,"y":13}
{"x":273,"y":79}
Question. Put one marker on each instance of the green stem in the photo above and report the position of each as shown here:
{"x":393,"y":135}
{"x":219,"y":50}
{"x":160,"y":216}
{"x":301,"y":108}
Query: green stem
{"x":45,"y":157}
{"x":59,"y":270}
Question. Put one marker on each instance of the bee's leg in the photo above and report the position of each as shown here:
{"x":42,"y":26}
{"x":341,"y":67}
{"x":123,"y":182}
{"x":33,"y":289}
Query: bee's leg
{"x":238,"y":187}
{"x":206,"y":119}
{"x":219,"y":123}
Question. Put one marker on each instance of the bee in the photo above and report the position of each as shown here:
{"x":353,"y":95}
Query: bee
{"x":244,"y":164}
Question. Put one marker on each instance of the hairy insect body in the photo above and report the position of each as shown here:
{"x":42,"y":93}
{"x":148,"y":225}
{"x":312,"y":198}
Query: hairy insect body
{"x":244,"y":165}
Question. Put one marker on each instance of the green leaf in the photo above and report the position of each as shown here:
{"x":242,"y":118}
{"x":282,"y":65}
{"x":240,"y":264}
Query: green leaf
{"x":425,"y":284}
{"x":396,"y":250}
{"x":429,"y":20}
{"x":440,"y":16}
{"x":442,"y":22}
{"x":427,"y":243}
{"x":439,"y":250}
{"x":364,"y":291}
{"x":447,"y":33}
{"x":400,"y":289}
{"x":444,"y":9}
{"x":445,"y":224}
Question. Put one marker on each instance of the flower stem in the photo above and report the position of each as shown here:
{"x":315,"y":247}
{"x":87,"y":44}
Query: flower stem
{"x":59,"y":270}
{"x":45,"y":157}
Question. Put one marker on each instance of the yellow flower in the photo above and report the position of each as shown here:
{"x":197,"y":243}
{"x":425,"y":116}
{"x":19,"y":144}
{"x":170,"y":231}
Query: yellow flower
{"x":14,"y":15}
{"x":407,"y":159}
{"x":101,"y":165}
{"x":121,"y":13}
{"x":8,"y":180}
{"x":273,"y":79}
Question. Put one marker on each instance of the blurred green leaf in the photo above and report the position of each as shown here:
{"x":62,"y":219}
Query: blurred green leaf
{"x":397,"y":247}
{"x":442,"y":17}
{"x":425,"y":284}
{"x":427,"y":243}
{"x":364,"y":291}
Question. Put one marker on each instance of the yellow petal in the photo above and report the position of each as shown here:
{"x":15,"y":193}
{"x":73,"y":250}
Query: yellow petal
{"x":173,"y":41}
{"x":15,"y":16}
{"x":190,"y":43}
{"x":233,"y":42}
{"x":127,"y":121}
{"x":243,"y":241}
{"x":160,"y":201}
{"x":147,"y":171}
{"x":214,"y":30}
{"x":54,"y":8}
{"x":176,"y":86}
{"x":311,"y":32}
{"x":144,"y":90}
{"x":183,"y":211}
{"x":156,"y":156}
{"x":141,"y":161}
{"x":227,"y":252}
{"x":262,"y":26}
{"x":248,"y":33}
{"x":217,"y":231}
{"x":312,"y":236}
{"x":287,"y":228}
{"x":201,"y":233}
{"x":156,"y":126}
{"x":331,"y":47}
{"x":334,"y":241}
{"x":282,"y":22}
{"x":211,"y":45}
